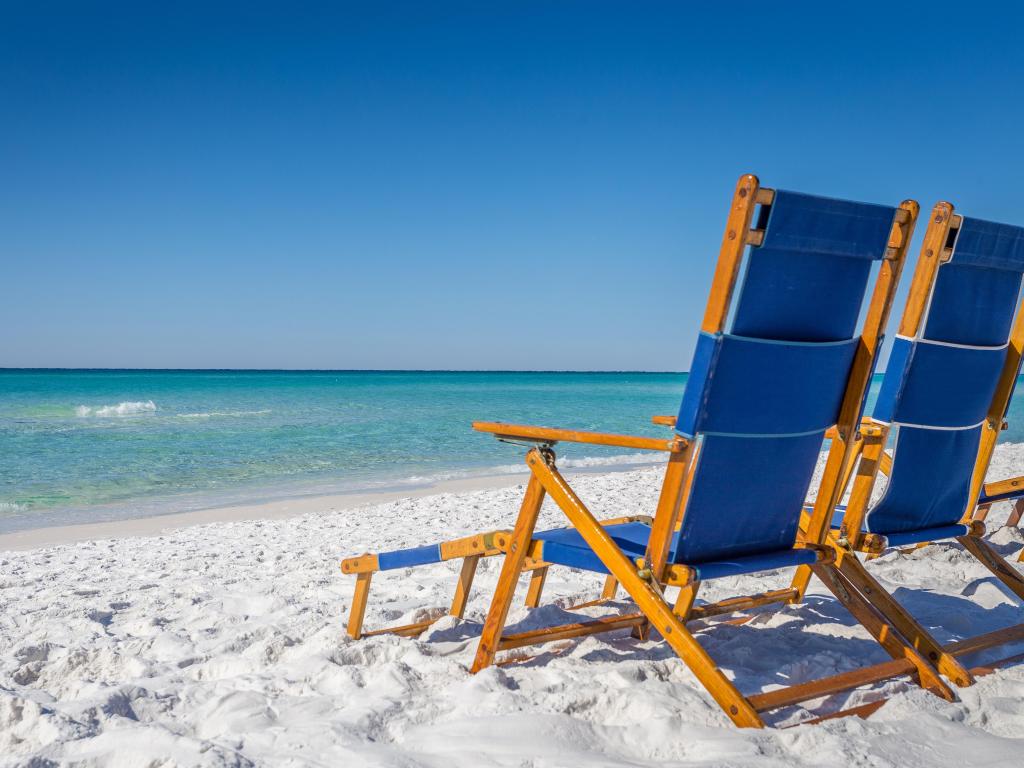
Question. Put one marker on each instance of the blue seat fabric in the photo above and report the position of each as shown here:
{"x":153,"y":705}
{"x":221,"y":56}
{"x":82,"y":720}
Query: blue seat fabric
{"x":935,"y":393}
{"x":897,"y":539}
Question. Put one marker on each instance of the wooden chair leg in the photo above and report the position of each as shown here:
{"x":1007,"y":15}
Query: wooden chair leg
{"x":886,"y":635}
{"x":536,"y":587}
{"x":1015,"y":515}
{"x":982,"y":512}
{"x":895,"y":614}
{"x":358,"y":611}
{"x":511,"y":567}
{"x":466,"y":575}
{"x":801,"y":580}
{"x":1006,"y":573}
{"x":649,"y":600}
{"x":611,"y":586}
{"x":684,"y":601}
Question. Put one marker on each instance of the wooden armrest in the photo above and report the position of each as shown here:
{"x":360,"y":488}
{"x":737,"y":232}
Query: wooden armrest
{"x":664,"y":421}
{"x":549,"y":435}
{"x":1004,"y":486}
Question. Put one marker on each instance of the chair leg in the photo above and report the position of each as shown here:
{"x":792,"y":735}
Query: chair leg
{"x":511,"y":567}
{"x":358,"y":611}
{"x":801,"y":580}
{"x":684,"y":600}
{"x":536,"y":587}
{"x":1015,"y":515}
{"x":982,"y":512}
{"x":648,"y":599}
{"x":466,"y":575}
{"x":611,"y":586}
{"x":1006,"y":573}
{"x":886,"y":634}
{"x":895,"y":614}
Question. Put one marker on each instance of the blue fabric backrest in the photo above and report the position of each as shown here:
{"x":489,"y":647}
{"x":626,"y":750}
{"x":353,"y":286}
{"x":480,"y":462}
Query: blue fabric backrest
{"x":938,"y":387}
{"x":760,"y":397}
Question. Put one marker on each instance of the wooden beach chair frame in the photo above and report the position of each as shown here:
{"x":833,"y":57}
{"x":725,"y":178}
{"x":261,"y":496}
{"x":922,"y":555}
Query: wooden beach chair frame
{"x":644,"y":579}
{"x":471,"y":550}
{"x":869,"y":459}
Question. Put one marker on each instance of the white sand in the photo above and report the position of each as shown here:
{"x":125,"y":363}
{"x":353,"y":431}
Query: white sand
{"x":223,"y":644}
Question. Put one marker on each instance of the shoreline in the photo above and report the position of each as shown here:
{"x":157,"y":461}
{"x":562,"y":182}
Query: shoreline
{"x":278,"y":508}
{"x":273,"y":509}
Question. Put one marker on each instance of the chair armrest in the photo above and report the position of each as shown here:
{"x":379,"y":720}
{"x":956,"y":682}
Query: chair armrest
{"x":664,"y":421}
{"x":551,"y":436}
{"x":998,"y":488}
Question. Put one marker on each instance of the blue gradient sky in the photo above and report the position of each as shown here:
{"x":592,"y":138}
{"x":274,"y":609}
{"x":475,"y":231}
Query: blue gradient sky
{"x":453,"y":185}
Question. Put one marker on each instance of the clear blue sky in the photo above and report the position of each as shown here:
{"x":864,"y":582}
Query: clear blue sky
{"x":453,"y":185}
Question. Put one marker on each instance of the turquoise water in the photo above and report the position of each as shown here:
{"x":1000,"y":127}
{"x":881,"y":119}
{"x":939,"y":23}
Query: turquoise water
{"x":100,"y":445}
{"x":83,"y":446}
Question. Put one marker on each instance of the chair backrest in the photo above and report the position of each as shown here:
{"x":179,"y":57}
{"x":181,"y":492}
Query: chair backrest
{"x":939,"y":387}
{"x":760,"y":396}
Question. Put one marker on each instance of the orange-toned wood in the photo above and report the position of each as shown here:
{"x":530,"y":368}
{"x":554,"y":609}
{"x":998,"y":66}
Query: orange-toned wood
{"x":363,"y":564}
{"x":566,"y":631}
{"x":908,"y":627}
{"x":510,"y":568}
{"x":871,"y":451}
{"x":988,"y":640}
{"x":477,"y":544}
{"x":735,"y":604}
{"x":536,"y":587}
{"x":552,"y":435}
{"x":664,"y":421}
{"x":1004,"y":486}
{"x":611,"y":586}
{"x":730,"y":255}
{"x":880,"y":628}
{"x":669,"y":511}
{"x":826,"y":686}
{"x":1006,"y":573}
{"x":921,"y":285}
{"x":684,"y":601}
{"x":863,"y":711}
{"x":647,"y":598}
{"x":358,"y":611}
{"x":1015,"y":515}
{"x":464,"y":585}
{"x":405,"y":630}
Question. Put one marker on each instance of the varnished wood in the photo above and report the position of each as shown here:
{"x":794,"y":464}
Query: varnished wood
{"x":744,"y":603}
{"x":551,"y":436}
{"x":730,"y":255}
{"x":566,"y":631}
{"x":363,"y":564}
{"x":464,"y":585}
{"x":511,"y":567}
{"x":908,"y":627}
{"x":988,"y":640}
{"x":611,"y":586}
{"x":921,"y":285}
{"x":880,"y":628}
{"x":647,"y":598}
{"x":1009,"y":576}
{"x":826,"y":686}
{"x":355,"y":617}
{"x":536,"y":587}
{"x":684,"y":601}
{"x":1015,"y":514}
{"x":664,"y":421}
{"x":861,"y":710}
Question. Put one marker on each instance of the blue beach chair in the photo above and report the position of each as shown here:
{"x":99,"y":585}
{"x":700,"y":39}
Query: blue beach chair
{"x":945,"y":393}
{"x":756,"y":407}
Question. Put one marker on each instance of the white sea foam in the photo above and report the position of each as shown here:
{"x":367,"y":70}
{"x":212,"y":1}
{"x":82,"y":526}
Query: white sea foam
{"x":11,"y":507}
{"x":127,"y":408}
{"x":215,"y":414}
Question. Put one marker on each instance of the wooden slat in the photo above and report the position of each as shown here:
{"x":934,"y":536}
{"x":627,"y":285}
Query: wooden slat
{"x":564,"y":631}
{"x":826,"y":686}
{"x":864,"y":710}
{"x":405,"y":630}
{"x":664,"y":421}
{"x":1004,"y":486}
{"x":552,"y":435}
{"x":991,"y":666}
{"x":987,"y":640}
{"x":734,"y":604}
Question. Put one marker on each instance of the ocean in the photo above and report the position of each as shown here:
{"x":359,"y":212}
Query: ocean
{"x":97,"y":445}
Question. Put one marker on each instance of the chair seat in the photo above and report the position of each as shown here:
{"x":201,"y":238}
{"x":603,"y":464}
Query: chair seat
{"x":565,"y":546}
{"x":905,"y":538}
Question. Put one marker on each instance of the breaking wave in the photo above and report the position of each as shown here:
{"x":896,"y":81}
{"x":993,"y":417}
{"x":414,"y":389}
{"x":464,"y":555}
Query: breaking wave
{"x":121,"y":409}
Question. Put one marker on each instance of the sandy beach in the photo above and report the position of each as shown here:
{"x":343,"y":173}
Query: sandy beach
{"x":223,"y":644}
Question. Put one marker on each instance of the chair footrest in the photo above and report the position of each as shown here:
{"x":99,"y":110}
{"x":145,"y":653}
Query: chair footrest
{"x":826,"y":686}
{"x":539,"y":636}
